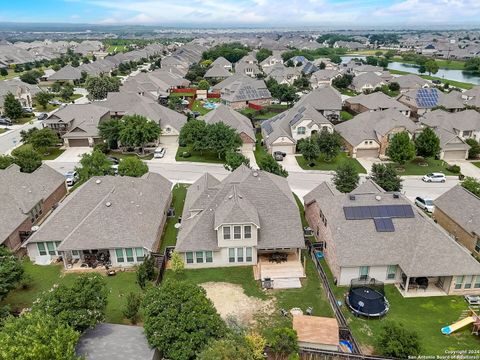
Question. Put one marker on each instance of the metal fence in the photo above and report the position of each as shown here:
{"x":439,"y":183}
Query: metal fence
{"x":161,"y":262}
{"x":317,"y":354}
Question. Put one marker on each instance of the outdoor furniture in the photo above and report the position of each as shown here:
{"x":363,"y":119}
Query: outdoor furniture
{"x":111,"y":272}
{"x":278,"y":257}
{"x":296,"y":311}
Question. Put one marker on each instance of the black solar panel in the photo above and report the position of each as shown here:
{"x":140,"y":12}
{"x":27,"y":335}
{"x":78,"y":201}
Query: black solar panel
{"x":384,"y":224}
{"x":373,"y":211}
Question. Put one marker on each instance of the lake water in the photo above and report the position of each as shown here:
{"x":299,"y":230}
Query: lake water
{"x":455,"y":75}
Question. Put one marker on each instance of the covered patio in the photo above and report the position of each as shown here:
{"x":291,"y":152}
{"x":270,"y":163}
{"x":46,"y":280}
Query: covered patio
{"x":280,"y":269}
{"x":86,"y":259}
{"x":423,"y":286}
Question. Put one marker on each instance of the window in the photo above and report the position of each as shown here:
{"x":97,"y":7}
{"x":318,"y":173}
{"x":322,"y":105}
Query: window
{"x":240,"y":254}
{"x":458,"y":282}
{"x":139,"y":254}
{"x":231,"y":255}
{"x":248,"y":254}
{"x":129,"y":254}
{"x":391,"y":272}
{"x":199,"y":257}
{"x":189,"y":257}
{"x":363,"y":272}
{"x":226,"y":233}
{"x":477,"y":246}
{"x":41,"y":248}
{"x":119,"y":254}
{"x":476,"y":285}
{"x":75,"y":253}
{"x":468,"y":282}
{"x":247,"y":232}
{"x":301,"y":130}
{"x":51,"y":248}
{"x":208,"y":256}
{"x":237,"y":232}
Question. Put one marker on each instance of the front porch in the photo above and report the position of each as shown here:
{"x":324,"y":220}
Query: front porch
{"x":422,"y":286}
{"x":280,"y":270}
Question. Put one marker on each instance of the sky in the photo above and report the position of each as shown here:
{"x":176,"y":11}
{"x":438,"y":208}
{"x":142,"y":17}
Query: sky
{"x":223,"y":13}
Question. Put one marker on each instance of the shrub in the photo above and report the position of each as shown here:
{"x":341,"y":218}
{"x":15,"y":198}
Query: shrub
{"x":132,"y":307}
{"x":418,"y":160}
{"x":398,"y":341}
{"x":454,"y":169}
{"x":186,"y":154}
{"x":102,"y":147}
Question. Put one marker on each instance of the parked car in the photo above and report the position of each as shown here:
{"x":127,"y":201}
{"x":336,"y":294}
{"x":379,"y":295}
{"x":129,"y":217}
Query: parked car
{"x":5,"y":121}
{"x":279,"y":155}
{"x":71,"y":177}
{"x":113,"y":159}
{"x":424,"y":203}
{"x":435,"y":177}
{"x":27,"y":110}
{"x":42,"y":116}
{"x":54,"y":102}
{"x":159,"y":153}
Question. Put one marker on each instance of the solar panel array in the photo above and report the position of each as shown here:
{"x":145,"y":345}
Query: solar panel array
{"x":384,"y":224}
{"x":267,"y":125}
{"x":298,"y":116}
{"x":381,"y":214}
{"x":427,"y":98}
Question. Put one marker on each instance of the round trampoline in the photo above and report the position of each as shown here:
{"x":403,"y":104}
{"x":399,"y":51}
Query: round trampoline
{"x":366,"y":297}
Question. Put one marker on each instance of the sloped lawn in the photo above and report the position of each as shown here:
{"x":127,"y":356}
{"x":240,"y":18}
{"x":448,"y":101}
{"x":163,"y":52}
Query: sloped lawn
{"x":332,"y":165}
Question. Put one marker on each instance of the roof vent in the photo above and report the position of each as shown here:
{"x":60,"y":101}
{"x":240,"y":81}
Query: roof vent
{"x":378,"y":198}
{"x":352,"y":197}
{"x":108,"y":204}
{"x":98,"y":181}
{"x":255,"y":173}
{"x":396,"y":195}
{"x":230,"y":196}
{"x":35,"y":228}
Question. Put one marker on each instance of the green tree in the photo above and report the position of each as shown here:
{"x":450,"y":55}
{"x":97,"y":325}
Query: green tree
{"x":6,"y":161}
{"x":262,"y":54}
{"x":431,"y":66}
{"x":3,"y":71}
{"x":109,"y":130}
{"x":474,"y":150}
{"x":282,"y":342}
{"x":194,"y":133}
{"x":371,"y":60}
{"x":132,"y":166}
{"x":169,"y":327}
{"x":401,"y":149}
{"x":37,"y":336}
{"x":56,"y":87}
{"x":26,"y":134}
{"x":394,"y":86}
{"x":398,"y":341}
{"x":137,"y":131}
{"x":427,"y":143}
{"x":177,"y":262}
{"x":268,"y":163}
{"x":99,"y":87}
{"x":28,"y":159}
{"x":31,"y":77}
{"x":203,"y":85}
{"x":329,"y":144}
{"x":472,"y":185}
{"x":174,"y":102}
{"x":234,"y":159}
{"x":42,"y":99}
{"x":80,"y":305}
{"x":94,"y":164}
{"x":472,"y":64}
{"x":196,"y":72}
{"x":222,"y":139}
{"x":146,"y":271}
{"x":11,"y":271}
{"x":383,"y":62}
{"x":309,"y":149}
{"x":386,"y":177}
{"x":346,"y":177}
{"x":343,"y":81}
{"x":43,"y":139}
{"x":132,"y":307}
{"x":256,"y":343}
{"x":67,"y":92}
{"x":234,"y":348}
{"x":12,"y":107}
{"x":231,"y":51}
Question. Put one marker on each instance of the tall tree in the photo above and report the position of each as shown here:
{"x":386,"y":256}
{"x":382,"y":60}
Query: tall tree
{"x":43,"y":139}
{"x":386,"y":177}
{"x":283,"y":342}
{"x":28,"y":159}
{"x":431,"y":66}
{"x":427,"y":143}
{"x":137,"y":131}
{"x":37,"y":336}
{"x":346,"y":177}
{"x":262,"y":54}
{"x":234,"y":159}
{"x":109,"y":130}
{"x":132,"y":166}
{"x":309,"y":149}
{"x":234,"y":348}
{"x":401,"y":149}
{"x":169,"y":327}
{"x":99,"y":87}
{"x":42,"y":99}
{"x":194,"y":133}
{"x":203,"y":85}
{"x":11,"y":271}
{"x":94,"y":164}
{"x":12,"y":107}
{"x":222,"y":139}
{"x":398,"y":341}
{"x":329,"y":144}
{"x":269,"y":164}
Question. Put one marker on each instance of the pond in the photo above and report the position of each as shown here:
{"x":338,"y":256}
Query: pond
{"x":447,"y":74}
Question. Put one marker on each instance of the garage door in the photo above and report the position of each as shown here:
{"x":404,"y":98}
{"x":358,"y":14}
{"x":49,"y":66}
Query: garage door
{"x":77,"y":142}
{"x":165,"y":139}
{"x":288,"y":149}
{"x":454,"y":155}
{"x":367,"y":153}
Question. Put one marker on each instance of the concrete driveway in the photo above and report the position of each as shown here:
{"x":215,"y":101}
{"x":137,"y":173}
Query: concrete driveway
{"x":73,"y":154}
{"x":249,"y":155}
{"x":290,"y":163}
{"x":169,"y":157}
{"x":467,"y":168}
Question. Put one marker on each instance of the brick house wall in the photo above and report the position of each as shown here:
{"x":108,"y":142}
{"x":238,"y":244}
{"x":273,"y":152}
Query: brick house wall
{"x":13,"y":241}
{"x":53,"y":199}
{"x":357,"y":108}
{"x":461,"y":235}
{"x":246,"y":139}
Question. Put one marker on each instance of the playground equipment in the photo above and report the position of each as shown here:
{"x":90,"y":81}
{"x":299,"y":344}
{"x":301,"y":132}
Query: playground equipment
{"x":467,"y":317}
{"x":366,"y":297}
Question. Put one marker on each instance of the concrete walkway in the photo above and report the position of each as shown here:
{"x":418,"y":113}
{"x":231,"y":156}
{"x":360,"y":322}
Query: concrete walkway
{"x":468,"y":169}
{"x":290,"y":164}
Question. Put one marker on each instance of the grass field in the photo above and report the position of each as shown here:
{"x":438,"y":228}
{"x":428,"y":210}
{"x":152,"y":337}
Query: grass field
{"x":260,"y":151}
{"x":477,"y":164}
{"x":196,"y":156}
{"x":117,"y":48}
{"x":169,"y":237}
{"x":44,"y":277}
{"x":332,"y":165}
{"x":442,"y":64}
{"x":51,"y":153}
{"x":433,"y":166}
{"x":345,"y":115}
{"x":459,"y":84}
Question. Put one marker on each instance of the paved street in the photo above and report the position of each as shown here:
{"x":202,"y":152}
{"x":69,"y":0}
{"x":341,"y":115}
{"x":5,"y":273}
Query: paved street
{"x":11,"y":139}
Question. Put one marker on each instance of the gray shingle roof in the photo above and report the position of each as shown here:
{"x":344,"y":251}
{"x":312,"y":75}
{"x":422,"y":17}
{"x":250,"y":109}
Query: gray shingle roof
{"x":325,"y":98}
{"x":232,"y":118}
{"x":368,"y":78}
{"x":418,"y":245}
{"x":109,"y":212}
{"x":245,"y":89}
{"x":217,"y":72}
{"x":377,"y":101}
{"x":461,"y":120}
{"x":261,"y":198}
{"x":411,"y":81}
{"x":67,"y":73}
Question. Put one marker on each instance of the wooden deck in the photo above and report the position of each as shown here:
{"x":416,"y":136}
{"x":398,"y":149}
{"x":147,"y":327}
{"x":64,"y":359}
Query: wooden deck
{"x":285,"y":275}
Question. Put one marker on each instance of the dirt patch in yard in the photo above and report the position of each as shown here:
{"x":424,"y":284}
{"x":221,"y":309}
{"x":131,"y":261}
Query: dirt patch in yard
{"x":230,"y":300}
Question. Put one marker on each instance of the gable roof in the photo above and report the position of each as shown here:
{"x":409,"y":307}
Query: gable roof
{"x":323,"y":98}
{"x":357,"y":243}
{"x":377,"y":101}
{"x":232,"y":118}
{"x":68,"y":73}
{"x":245,"y":89}
{"x":221,"y":61}
{"x":461,"y":120}
{"x":217,"y":71}
{"x":411,"y":81}
{"x":253,"y":196}
{"x":108,"y":211}
{"x":368,"y":78}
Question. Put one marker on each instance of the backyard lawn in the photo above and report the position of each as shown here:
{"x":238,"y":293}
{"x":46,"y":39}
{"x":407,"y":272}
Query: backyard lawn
{"x":169,"y":237}
{"x":44,"y":277}
{"x":345,"y":115}
{"x":332,"y":165}
{"x":196,"y":156}
{"x":198,"y":106}
{"x":260,"y":151}
{"x":434,"y":165}
{"x":2,"y":130}
{"x":425,"y":315}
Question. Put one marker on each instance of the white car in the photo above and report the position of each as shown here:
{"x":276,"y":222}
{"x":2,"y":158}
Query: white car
{"x":159,"y":153}
{"x":424,"y":204}
{"x":435,"y":177}
{"x":71,"y":177}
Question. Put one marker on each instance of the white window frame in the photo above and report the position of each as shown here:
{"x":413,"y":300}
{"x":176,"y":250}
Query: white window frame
{"x":458,"y":285}
{"x":361,"y":273}
{"x":391,"y":275}
{"x":249,"y":232}
{"x":301,"y":130}
{"x":122,"y":258}
{"x":227,"y":235}
{"x":235,"y":234}
{"x":187,"y":260}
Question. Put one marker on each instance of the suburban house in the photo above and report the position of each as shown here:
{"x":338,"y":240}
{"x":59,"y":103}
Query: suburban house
{"x":217,"y":72}
{"x":472,"y":97}
{"x":370,"y":233}
{"x":26,"y":199}
{"x":170,"y":121}
{"x":120,"y":217}
{"x":367,"y":135}
{"x":323,"y":77}
{"x":376,"y":101}
{"x":326,"y":100}
{"x":282,"y":132}
{"x":271,"y":61}
{"x":452,"y":146}
{"x":283,"y":74}
{"x":242,"y":125}
{"x":68,"y":73}
{"x":222,"y":62}
{"x":77,"y":124}
{"x":23,"y":92}
{"x":156,"y":83}
{"x":243,"y":220}
{"x":421,"y":101}
{"x":465,"y":124}
{"x":247,"y":65}
{"x":458,"y":211}
{"x":367,"y":81}
{"x":240,"y":91}
{"x":411,"y":82}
